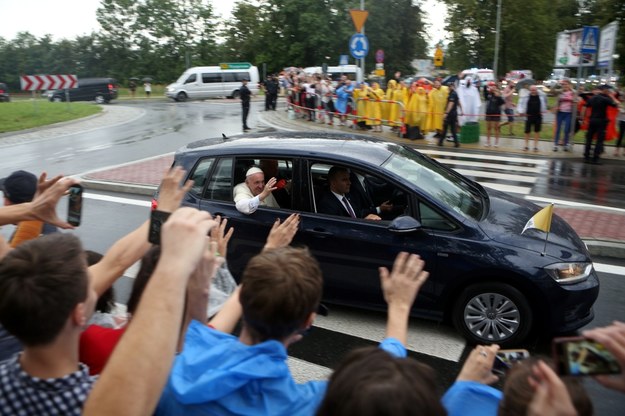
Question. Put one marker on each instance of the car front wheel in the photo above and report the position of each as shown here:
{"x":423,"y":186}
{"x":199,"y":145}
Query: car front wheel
{"x":493,"y":313}
{"x":182,"y":97}
{"x":235,"y":94}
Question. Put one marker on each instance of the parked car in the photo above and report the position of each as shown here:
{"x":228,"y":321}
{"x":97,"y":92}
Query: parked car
{"x":100,"y":90}
{"x":494,"y":283}
{"x":4,"y":93}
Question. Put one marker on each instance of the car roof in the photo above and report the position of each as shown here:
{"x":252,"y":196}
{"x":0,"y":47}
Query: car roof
{"x":337,"y":146}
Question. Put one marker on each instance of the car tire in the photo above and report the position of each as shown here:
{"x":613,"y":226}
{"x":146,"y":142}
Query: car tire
{"x":235,"y":94}
{"x":181,"y":97}
{"x":493,"y":313}
{"x":99,"y":99}
{"x":56,"y":99}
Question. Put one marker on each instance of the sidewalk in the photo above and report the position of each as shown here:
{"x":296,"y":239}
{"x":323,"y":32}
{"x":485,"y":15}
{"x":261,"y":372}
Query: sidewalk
{"x":603,"y":230}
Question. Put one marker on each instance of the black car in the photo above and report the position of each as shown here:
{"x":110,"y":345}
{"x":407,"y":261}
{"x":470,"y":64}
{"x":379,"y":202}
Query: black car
{"x":100,"y":90}
{"x":4,"y":93}
{"x":494,"y":283}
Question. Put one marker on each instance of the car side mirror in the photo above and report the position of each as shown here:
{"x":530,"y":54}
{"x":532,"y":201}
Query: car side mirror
{"x":404,"y":224}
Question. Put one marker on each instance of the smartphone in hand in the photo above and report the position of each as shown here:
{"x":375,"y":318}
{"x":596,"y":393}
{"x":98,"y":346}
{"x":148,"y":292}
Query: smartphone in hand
{"x":505,"y":359}
{"x":74,"y":205}
{"x":579,"y":356}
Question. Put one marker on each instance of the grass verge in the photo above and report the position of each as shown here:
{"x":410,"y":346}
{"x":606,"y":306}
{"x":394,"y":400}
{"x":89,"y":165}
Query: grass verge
{"x":21,"y":115}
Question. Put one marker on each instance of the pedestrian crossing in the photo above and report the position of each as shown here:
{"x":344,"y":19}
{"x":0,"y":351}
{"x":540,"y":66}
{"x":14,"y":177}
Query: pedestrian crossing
{"x":509,"y":174}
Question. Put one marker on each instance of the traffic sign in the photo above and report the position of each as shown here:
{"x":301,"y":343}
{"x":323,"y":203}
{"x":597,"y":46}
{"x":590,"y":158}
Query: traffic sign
{"x":379,"y":56}
{"x":235,"y":65}
{"x":48,"y":82}
{"x":359,"y":46}
{"x":590,"y":39}
{"x":359,"y":17}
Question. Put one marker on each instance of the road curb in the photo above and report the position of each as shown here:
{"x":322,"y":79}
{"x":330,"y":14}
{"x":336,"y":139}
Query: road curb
{"x":605,"y":248}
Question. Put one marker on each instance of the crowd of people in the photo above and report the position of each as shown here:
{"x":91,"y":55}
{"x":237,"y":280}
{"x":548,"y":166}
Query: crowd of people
{"x":195,"y":342}
{"x":427,"y":107}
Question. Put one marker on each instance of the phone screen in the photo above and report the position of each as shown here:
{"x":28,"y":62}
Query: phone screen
{"x":505,"y":359}
{"x":583,"y":357}
{"x":74,"y":207}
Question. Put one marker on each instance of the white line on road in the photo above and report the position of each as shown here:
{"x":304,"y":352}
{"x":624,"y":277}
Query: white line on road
{"x":529,"y":161}
{"x":609,"y":268}
{"x":514,"y":168}
{"x":117,"y":200}
{"x":496,"y":175}
{"x":507,"y":188}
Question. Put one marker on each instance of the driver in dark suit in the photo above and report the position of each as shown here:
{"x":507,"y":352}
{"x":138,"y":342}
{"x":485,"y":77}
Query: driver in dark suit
{"x":337,"y":201}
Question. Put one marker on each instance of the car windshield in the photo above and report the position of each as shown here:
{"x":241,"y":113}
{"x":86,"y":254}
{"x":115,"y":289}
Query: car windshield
{"x":436,"y":181}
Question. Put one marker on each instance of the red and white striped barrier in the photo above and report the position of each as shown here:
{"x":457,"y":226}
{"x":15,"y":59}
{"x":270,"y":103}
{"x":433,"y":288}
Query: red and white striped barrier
{"x":48,"y":82}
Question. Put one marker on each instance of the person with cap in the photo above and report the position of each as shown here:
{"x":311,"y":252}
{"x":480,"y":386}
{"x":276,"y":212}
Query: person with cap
{"x":598,"y":105}
{"x":20,"y":187}
{"x":254,"y":192}
{"x":245,"y":95}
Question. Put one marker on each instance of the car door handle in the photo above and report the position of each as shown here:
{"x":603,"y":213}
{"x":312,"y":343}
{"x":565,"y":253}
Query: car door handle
{"x":319,"y":232}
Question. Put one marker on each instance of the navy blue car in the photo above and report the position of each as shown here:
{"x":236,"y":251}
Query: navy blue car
{"x":494,"y":283}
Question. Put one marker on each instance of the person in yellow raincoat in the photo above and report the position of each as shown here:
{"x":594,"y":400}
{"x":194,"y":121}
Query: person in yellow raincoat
{"x":374,"y":107}
{"x":396,"y":111}
{"x":360,"y":95}
{"x":436,"y":108}
{"x":386,"y":107}
{"x":417,"y":107}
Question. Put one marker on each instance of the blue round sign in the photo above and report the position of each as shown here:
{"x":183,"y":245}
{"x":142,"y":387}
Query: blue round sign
{"x":358,"y":45}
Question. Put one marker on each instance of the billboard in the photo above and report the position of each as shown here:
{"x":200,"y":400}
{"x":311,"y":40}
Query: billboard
{"x":607,"y":44}
{"x":568,"y":45}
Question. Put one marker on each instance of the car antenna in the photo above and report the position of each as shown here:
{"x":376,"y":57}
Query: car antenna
{"x":224,"y":136}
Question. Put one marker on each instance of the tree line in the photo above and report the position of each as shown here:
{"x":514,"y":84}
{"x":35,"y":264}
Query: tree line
{"x":160,"y":38}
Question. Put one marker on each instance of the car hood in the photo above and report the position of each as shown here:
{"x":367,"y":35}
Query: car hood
{"x":508,"y":215}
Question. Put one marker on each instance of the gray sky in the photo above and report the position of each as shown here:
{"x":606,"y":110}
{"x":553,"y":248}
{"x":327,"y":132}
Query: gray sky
{"x":70,"y":18}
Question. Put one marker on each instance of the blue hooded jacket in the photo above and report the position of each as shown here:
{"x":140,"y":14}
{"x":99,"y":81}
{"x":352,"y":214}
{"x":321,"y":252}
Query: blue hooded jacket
{"x":216,"y":374}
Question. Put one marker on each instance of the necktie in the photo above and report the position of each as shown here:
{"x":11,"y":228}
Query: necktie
{"x":349,"y":208}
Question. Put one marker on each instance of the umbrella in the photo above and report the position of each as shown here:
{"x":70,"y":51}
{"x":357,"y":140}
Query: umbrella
{"x":525,"y":82}
{"x":146,"y":79}
{"x":133,"y":79}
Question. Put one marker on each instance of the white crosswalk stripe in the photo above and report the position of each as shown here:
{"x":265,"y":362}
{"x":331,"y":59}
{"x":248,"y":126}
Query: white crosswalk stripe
{"x":510,"y":174}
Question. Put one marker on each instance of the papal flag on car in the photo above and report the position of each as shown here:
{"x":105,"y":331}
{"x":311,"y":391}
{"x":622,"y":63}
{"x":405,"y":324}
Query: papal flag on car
{"x":541,"y":220}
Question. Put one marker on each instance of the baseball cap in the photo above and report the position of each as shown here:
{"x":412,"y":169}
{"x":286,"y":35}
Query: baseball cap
{"x":19,"y":187}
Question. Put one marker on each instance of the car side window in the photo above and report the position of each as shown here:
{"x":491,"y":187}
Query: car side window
{"x":191,"y":79}
{"x":281,"y":169}
{"x":219,"y":186}
{"x":369,"y":193}
{"x":199,"y":175}
{"x":209,"y":78}
{"x":433,"y":220}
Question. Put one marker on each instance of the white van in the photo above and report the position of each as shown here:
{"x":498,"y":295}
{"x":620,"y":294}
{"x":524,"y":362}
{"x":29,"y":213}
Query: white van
{"x":213,"y":81}
{"x":353,"y":72}
{"x":483,"y":75}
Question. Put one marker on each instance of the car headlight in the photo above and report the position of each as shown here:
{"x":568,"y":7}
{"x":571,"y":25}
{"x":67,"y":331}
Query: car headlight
{"x":568,"y":273}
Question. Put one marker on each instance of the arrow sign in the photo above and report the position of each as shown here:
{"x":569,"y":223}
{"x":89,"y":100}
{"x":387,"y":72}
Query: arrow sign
{"x":48,"y":82}
{"x":590,"y":39}
{"x":358,"y":46}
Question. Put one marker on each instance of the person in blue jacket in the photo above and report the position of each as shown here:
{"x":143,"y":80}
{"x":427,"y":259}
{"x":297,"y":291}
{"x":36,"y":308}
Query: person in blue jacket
{"x":218,"y":374}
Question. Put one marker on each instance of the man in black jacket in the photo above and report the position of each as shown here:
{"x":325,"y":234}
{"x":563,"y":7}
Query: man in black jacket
{"x":245,"y":94}
{"x":598,"y":122}
{"x":337,"y":201}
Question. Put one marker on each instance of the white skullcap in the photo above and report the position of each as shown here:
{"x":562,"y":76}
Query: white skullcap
{"x":252,"y":171}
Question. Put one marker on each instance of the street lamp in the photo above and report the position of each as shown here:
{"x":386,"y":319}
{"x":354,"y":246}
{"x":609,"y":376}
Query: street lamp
{"x":498,"y":25}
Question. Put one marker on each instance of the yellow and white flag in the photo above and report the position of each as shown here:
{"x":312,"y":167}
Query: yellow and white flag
{"x":541,"y":220}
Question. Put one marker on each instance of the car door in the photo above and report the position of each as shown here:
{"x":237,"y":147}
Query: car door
{"x":192,"y":85}
{"x":350,"y":251}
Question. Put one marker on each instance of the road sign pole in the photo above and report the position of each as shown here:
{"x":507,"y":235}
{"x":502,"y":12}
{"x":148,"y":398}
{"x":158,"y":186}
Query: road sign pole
{"x":362,"y":61}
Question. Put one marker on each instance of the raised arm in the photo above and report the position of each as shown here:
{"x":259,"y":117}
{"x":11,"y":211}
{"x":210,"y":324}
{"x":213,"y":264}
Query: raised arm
{"x":130,"y":248}
{"x":400,"y":288}
{"x":131,"y":383}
